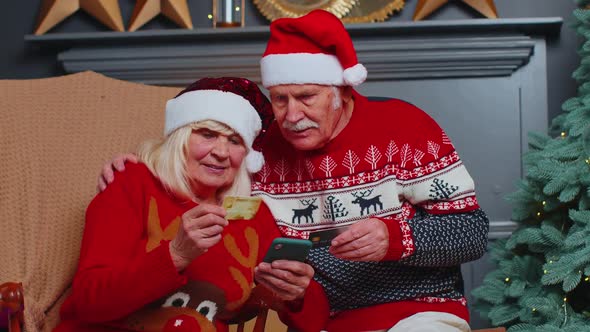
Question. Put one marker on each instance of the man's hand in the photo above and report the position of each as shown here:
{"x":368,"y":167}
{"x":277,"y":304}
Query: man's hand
{"x":287,"y":280}
{"x":366,"y":240}
{"x":200,"y":229}
{"x":108,"y":170}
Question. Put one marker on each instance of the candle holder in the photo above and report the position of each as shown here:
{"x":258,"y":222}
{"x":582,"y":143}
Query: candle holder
{"x":228,"y":13}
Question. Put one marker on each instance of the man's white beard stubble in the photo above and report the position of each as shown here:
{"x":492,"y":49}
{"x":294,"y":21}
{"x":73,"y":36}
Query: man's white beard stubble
{"x":306,"y":123}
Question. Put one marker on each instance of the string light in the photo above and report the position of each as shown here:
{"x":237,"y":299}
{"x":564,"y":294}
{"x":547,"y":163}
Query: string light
{"x":563,"y":134}
{"x":534,"y":309}
{"x":587,"y":279}
{"x":564,"y":311}
{"x":507,"y":279}
{"x":544,"y":271}
{"x":544,"y":203}
{"x":538,"y":214}
{"x":210,"y":16}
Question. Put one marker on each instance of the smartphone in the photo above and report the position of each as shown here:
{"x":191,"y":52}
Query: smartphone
{"x":289,"y":249}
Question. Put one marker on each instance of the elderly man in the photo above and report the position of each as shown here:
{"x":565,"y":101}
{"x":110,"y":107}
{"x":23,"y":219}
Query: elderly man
{"x":382,"y":175}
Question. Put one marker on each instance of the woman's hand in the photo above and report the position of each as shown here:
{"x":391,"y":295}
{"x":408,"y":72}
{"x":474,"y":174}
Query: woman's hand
{"x":287,"y":280}
{"x":200,"y":229}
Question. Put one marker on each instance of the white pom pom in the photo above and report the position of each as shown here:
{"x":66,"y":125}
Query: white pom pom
{"x":355,"y":75}
{"x":254,"y":161}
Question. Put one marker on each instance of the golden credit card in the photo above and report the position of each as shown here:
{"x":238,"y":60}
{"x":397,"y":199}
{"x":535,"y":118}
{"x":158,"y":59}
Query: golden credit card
{"x":240,"y":207}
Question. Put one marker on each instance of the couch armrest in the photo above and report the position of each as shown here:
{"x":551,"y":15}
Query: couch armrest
{"x":12,"y":305}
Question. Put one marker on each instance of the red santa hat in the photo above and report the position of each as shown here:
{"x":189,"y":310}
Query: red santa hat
{"x":235,"y":102}
{"x":312,"y":49}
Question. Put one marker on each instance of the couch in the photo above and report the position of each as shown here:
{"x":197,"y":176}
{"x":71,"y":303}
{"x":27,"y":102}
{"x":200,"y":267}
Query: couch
{"x":55,"y":134}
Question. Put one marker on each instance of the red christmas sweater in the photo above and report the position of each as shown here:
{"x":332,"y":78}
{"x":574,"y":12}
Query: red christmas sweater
{"x":126,"y":279}
{"x":394,"y":162}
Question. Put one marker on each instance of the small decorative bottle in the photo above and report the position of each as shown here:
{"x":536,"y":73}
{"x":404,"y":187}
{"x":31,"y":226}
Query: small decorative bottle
{"x":228,"y":13}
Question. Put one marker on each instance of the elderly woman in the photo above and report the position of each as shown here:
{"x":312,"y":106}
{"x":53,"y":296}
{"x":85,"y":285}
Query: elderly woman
{"x":158,"y":253}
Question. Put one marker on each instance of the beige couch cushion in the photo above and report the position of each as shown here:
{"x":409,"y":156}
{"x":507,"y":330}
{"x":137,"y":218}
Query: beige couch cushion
{"x":55,"y":134}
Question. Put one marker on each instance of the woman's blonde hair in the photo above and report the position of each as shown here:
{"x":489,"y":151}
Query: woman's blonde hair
{"x":167,"y":160}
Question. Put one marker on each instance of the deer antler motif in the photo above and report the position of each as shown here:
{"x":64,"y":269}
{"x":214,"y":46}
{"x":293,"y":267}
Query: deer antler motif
{"x":154,"y":228}
{"x":308,"y":202}
{"x":249,"y":262}
{"x":363,"y":193}
{"x":232,"y":248}
{"x":241,"y":280}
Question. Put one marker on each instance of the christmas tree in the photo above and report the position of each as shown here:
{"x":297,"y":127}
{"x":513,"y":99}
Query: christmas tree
{"x":542,"y":280}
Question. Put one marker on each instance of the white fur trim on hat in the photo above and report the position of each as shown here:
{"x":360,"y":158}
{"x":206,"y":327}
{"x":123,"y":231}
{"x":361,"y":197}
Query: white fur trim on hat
{"x":225,"y":107}
{"x":355,"y":75}
{"x":254,"y":161}
{"x":301,"y":68}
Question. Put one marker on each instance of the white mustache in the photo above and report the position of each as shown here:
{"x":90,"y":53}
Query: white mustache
{"x":300,"y":125}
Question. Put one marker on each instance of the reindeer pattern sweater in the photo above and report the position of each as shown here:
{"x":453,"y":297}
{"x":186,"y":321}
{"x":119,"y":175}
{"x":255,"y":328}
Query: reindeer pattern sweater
{"x":392,"y":161}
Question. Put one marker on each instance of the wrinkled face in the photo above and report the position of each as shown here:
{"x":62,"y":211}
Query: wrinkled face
{"x":214,"y":159}
{"x":306,"y":114}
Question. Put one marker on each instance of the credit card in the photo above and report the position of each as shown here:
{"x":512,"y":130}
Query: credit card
{"x":239,"y":207}
{"x":324,"y":237}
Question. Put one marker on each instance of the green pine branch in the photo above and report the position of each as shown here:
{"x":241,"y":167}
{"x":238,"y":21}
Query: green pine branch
{"x":542,"y":278}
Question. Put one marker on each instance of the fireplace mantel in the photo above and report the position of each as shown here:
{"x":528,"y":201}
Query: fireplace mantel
{"x":390,"y":50}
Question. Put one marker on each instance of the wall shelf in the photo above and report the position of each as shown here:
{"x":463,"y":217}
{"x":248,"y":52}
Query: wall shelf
{"x":390,"y":50}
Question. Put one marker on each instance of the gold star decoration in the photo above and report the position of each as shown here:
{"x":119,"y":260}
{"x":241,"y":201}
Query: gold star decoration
{"x":145,"y":10}
{"x":427,"y":7}
{"x":54,"y":11}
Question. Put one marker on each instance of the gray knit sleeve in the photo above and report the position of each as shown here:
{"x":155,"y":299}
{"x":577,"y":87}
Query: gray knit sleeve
{"x":447,"y":239}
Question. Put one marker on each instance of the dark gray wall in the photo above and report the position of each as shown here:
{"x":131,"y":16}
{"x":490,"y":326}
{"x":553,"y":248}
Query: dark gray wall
{"x":19,"y":60}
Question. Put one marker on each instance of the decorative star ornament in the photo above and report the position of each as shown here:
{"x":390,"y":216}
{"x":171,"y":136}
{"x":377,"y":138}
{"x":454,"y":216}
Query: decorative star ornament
{"x":54,"y":11}
{"x":427,"y":7}
{"x":145,"y":10}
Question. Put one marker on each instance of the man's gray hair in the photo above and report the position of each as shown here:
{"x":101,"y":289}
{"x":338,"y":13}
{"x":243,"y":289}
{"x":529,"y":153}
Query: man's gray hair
{"x":337,"y":101}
